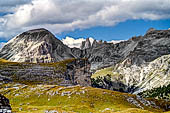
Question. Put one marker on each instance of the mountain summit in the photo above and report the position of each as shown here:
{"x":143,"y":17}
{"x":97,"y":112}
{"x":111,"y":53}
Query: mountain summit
{"x":37,"y":46}
{"x":86,"y":44}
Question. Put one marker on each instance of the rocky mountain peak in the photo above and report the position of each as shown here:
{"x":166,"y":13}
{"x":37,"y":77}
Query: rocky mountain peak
{"x":94,"y":44}
{"x":38,"y":45}
{"x":86,"y":44}
{"x":150,"y":30}
{"x":37,"y":35}
{"x":100,"y":41}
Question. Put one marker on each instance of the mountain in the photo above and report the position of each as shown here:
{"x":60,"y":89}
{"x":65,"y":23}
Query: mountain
{"x":133,"y":78}
{"x":137,"y":50}
{"x":132,"y":61}
{"x":143,"y":64}
{"x":38,"y":45}
{"x":86,"y":44}
{"x":46,"y":73}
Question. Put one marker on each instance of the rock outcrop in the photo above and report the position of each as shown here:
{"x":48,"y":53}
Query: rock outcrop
{"x":65,"y":73}
{"x":38,"y":45}
{"x":4,"y":105}
{"x":5,"y":79}
{"x":86,"y":44}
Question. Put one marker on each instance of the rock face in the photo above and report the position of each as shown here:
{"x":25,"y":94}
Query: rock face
{"x":4,"y":105}
{"x":136,"y":50}
{"x":86,"y":44}
{"x":143,"y":63}
{"x":78,"y":72}
{"x":64,"y":73}
{"x":4,"y":79}
{"x":135,"y":79}
{"x":35,"y":46}
{"x":146,"y":76}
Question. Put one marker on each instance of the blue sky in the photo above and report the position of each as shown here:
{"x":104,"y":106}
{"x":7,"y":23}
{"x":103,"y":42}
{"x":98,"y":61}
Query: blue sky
{"x":101,"y":19}
{"x":121,"y":31}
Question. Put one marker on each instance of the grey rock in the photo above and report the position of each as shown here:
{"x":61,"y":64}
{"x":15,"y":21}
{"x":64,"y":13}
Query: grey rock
{"x":137,"y":50}
{"x":150,"y":30}
{"x":77,"y":72}
{"x":94,"y":44}
{"x":5,"y":105}
{"x":140,"y":63}
{"x":86,"y":44}
{"x":38,"y":45}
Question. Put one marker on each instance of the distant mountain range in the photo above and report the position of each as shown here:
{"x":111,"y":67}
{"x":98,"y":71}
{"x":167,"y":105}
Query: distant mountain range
{"x":140,"y":65}
{"x":133,"y":60}
{"x":39,"y":45}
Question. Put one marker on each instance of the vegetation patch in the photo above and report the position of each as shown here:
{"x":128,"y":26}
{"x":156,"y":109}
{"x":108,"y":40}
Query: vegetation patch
{"x":158,"y":93}
{"x":104,"y":72}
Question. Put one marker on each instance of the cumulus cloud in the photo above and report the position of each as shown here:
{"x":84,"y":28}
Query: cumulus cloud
{"x":68,"y":15}
{"x":115,"y":41}
{"x":10,"y":5}
{"x":72,"y":42}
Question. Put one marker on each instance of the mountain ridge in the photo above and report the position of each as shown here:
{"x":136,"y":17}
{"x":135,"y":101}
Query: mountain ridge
{"x":136,"y":52}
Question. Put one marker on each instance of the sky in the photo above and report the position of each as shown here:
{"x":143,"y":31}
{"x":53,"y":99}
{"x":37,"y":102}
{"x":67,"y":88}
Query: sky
{"x":100,"y":19}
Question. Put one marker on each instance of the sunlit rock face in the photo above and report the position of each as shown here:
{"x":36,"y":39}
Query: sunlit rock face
{"x":146,"y":76}
{"x":38,"y":45}
{"x":4,"y":105}
{"x":143,"y":63}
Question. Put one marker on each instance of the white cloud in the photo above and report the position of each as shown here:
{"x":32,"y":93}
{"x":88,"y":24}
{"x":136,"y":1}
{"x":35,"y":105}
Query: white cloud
{"x":115,"y":41}
{"x":10,"y":5}
{"x":2,"y":44}
{"x":68,"y":15}
{"x":71,"y":42}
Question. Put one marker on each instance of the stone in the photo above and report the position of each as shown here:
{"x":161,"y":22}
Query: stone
{"x":4,"y":105}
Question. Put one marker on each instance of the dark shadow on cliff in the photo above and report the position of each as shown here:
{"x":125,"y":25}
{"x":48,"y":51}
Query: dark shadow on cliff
{"x":106,"y":83}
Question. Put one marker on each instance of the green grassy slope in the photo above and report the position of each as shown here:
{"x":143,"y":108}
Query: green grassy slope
{"x":41,"y":98}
